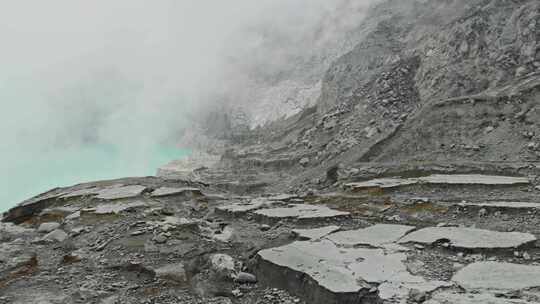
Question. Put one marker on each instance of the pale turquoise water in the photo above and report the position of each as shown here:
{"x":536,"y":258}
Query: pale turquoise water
{"x":27,"y":173}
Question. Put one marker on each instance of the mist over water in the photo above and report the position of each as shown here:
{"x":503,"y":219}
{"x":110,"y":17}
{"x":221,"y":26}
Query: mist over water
{"x":102,"y":89}
{"x":31,"y":173}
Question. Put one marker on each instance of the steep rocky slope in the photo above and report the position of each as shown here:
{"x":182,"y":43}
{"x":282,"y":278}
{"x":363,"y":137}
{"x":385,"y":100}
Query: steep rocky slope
{"x":452,"y":81}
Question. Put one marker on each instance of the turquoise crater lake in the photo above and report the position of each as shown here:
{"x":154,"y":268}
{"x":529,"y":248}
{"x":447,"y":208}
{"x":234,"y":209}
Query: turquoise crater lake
{"x":28,"y":173}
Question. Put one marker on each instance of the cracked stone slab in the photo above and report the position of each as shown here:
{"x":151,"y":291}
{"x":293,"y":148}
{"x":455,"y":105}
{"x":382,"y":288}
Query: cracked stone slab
{"x":316,"y":233}
{"x":376,"y":236}
{"x":346,"y":271}
{"x":120,"y":192}
{"x":301,"y":211}
{"x":168,"y":191}
{"x":497,"y":276}
{"x":453,"y":297}
{"x":469,"y":238}
{"x":441,"y":179}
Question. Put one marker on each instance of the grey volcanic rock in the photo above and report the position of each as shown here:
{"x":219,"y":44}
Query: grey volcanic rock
{"x":503,"y":205}
{"x":119,"y":192}
{"x":223,"y":264}
{"x":246,"y":206}
{"x":117,"y":207}
{"x":469,"y":238}
{"x":244,"y":277}
{"x":166,"y":191}
{"x":315,"y":233}
{"x":174,"y":272}
{"x":499,"y":277}
{"x":452,"y":297}
{"x":57,"y":235}
{"x":347,"y":271}
{"x":376,"y":236}
{"x":440,"y":179}
{"x":301,"y":211}
{"x":48,"y":227}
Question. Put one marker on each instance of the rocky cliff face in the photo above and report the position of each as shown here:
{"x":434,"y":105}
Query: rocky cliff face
{"x":429,"y":81}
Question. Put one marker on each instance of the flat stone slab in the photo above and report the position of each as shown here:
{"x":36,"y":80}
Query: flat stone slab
{"x":244,"y":207}
{"x":168,"y":191}
{"x":441,"y":179}
{"x":474,"y":179}
{"x":82,"y":192}
{"x":301,"y":211}
{"x":346,"y":271}
{"x":316,"y":233}
{"x":497,"y":276}
{"x":453,"y":297}
{"x":509,"y":205}
{"x":383,"y":183}
{"x":57,"y":235}
{"x":120,"y":192}
{"x":469,"y":238}
{"x":48,"y":227}
{"x":376,"y":236}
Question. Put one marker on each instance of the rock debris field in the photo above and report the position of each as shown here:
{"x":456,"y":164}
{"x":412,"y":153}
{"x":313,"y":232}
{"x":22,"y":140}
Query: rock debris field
{"x":152,"y":240}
